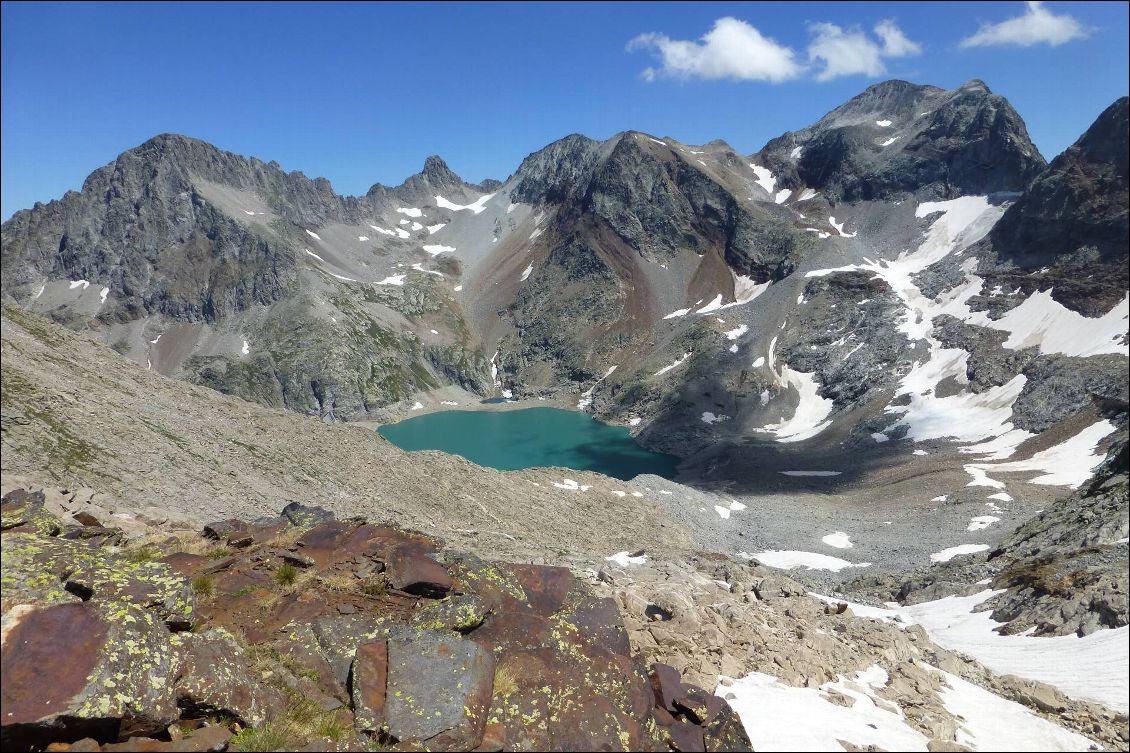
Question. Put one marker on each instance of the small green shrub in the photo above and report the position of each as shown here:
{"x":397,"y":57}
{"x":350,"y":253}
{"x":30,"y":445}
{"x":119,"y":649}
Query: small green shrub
{"x":142,"y":554}
{"x":286,"y":574}
{"x":203,"y":585}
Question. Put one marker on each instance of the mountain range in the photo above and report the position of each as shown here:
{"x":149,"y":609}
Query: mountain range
{"x":898,"y":333}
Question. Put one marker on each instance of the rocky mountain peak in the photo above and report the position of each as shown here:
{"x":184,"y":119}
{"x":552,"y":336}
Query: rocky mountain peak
{"x":1075,"y":213}
{"x":551,"y":173}
{"x":885,"y":100}
{"x":439,"y":174}
{"x":897,"y":138}
{"x":1106,"y":139}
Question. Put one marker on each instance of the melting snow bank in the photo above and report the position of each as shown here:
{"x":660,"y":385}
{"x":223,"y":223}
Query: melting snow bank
{"x":788,"y":560}
{"x":586,"y":396}
{"x":839,"y":539}
{"x":812,"y":411}
{"x":1068,"y":463}
{"x":1094,"y":668}
{"x":954,"y":551}
{"x":765,"y":178}
{"x":623,"y":559}
{"x":679,"y":362}
{"x":476,"y":207}
{"x":993,"y":723}
{"x":1041,"y":320}
{"x":780,"y":717}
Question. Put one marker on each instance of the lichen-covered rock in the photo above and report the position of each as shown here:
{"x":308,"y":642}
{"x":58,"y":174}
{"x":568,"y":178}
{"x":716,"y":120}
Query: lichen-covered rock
{"x":439,"y":690}
{"x":306,"y":516}
{"x":368,"y":681}
{"x":216,"y":677}
{"x":40,"y":569}
{"x":24,"y":511}
{"x":85,"y":670}
{"x":300,"y":646}
{"x":459,"y":613}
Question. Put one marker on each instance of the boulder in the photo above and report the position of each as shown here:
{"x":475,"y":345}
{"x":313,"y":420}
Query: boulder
{"x":439,"y":690}
{"x":110,"y":669}
{"x":23,"y":511}
{"x":216,"y":678}
{"x":368,"y":679}
{"x":305,"y":516}
{"x":416,"y":573}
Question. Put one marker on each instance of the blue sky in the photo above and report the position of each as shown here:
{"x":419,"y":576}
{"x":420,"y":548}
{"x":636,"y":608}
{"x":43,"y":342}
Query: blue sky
{"x":362,"y":93}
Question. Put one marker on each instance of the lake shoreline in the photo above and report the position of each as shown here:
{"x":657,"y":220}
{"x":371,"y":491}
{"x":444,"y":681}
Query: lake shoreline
{"x":524,"y":436}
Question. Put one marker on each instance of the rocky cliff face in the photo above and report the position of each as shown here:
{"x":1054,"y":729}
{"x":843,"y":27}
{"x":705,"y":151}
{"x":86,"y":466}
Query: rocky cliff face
{"x":1070,"y":227}
{"x":898,"y":138}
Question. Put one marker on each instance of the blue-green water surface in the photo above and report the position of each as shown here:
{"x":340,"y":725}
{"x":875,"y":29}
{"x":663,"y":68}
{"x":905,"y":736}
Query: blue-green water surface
{"x":530,"y":438}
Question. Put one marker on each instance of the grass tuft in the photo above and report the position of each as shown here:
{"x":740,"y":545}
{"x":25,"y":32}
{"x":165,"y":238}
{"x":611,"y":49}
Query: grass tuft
{"x":286,"y":574}
{"x":203,"y":585}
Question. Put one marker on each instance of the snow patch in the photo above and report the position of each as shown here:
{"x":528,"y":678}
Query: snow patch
{"x":526,"y":272}
{"x":789,"y":560}
{"x":765,"y":178}
{"x":393,"y":280}
{"x":410,"y":211}
{"x":981,"y":522}
{"x":678,"y":362}
{"x":433,"y":229}
{"x":839,"y":539}
{"x":989,"y":722}
{"x":883,"y":123}
{"x":572,"y":485}
{"x":956,"y":551}
{"x":839,"y":227}
{"x":1069,"y":463}
{"x":477,"y":206}
{"x":624,"y":559}
{"x":313,"y":235}
{"x":435,"y":249}
{"x":777,"y":716}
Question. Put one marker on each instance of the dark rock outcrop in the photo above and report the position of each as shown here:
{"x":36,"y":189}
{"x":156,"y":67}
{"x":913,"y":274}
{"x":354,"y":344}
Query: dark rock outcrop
{"x":897,"y":138}
{"x":1073,"y":220}
{"x":518,"y":656}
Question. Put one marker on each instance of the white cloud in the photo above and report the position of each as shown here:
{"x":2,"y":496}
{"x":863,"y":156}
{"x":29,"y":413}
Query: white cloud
{"x":850,"y":52}
{"x":732,"y":49}
{"x":1037,"y":26}
{"x":843,"y":53}
{"x":895,"y":43}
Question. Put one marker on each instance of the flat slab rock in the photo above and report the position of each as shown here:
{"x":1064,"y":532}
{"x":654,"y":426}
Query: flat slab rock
{"x":111,"y":670}
{"x":439,"y":690}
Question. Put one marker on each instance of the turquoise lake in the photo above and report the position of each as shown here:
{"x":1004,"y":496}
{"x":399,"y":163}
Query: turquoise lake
{"x":530,"y":438}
